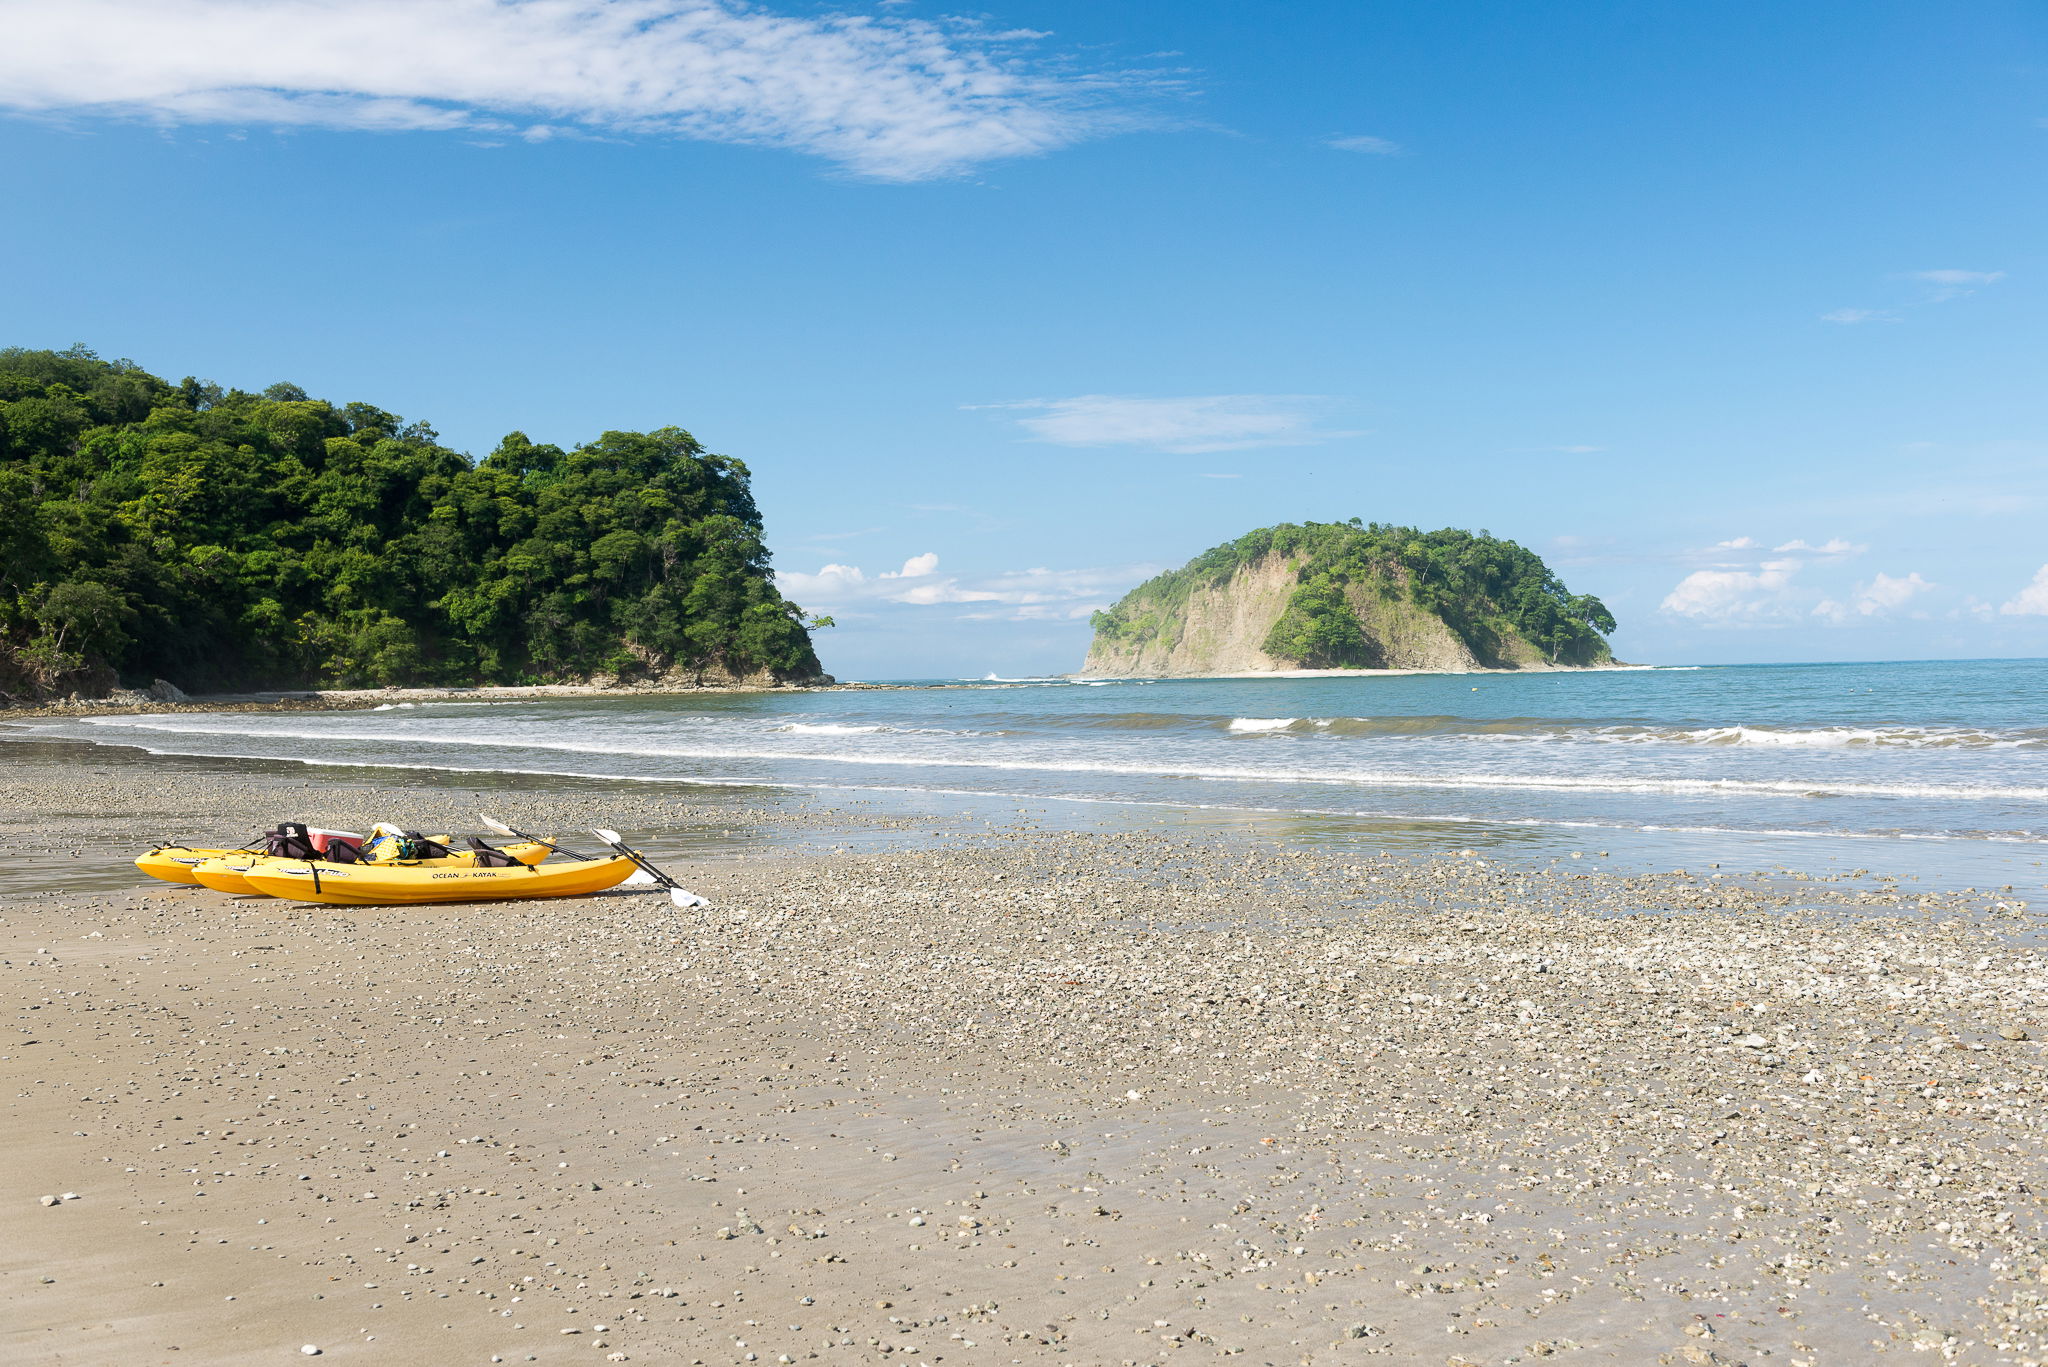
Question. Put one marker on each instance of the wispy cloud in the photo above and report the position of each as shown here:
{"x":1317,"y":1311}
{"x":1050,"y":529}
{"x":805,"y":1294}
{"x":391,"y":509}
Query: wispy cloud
{"x":1834,"y":548}
{"x":1371,"y":146}
{"x":1957,"y":277}
{"x":1023,"y":595}
{"x":1944,"y":285}
{"x":1184,"y":426}
{"x":1954,"y":284}
{"x":885,"y":97}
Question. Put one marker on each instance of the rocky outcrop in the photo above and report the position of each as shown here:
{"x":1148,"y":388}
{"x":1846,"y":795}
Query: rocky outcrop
{"x":1222,"y":628}
{"x":1218,"y":632}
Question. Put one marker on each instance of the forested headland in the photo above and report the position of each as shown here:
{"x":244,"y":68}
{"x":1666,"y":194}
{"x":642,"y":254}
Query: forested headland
{"x":225,"y":539}
{"x":1353,"y":595}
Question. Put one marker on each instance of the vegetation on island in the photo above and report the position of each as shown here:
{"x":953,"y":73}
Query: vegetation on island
{"x":223,"y":539}
{"x":1490,"y":593}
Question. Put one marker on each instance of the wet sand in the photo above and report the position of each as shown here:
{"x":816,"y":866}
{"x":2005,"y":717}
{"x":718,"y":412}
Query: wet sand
{"x":1021,"y":1097}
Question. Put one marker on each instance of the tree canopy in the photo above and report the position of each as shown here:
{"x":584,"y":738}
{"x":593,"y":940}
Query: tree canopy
{"x":222,"y":539}
{"x":1480,"y":586}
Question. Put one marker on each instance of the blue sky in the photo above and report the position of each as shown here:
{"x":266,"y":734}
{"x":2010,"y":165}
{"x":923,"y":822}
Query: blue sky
{"x":1733,"y":312}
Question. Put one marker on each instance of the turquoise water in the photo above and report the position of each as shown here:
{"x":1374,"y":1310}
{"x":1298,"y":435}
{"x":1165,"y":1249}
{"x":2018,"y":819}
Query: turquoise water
{"x":1938,"y":769}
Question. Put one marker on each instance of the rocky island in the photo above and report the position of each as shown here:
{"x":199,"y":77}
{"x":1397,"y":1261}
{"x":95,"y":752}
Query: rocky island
{"x":1351,"y":596}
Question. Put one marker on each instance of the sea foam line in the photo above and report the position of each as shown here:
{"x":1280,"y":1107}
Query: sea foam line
{"x":1357,"y":778}
{"x":1441,"y":818}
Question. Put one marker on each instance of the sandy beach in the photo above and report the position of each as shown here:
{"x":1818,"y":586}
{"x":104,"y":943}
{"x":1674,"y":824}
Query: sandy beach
{"x":1023,"y":1097}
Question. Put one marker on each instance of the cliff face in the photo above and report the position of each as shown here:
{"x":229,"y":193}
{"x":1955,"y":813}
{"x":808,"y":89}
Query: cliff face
{"x":1215,"y":633}
{"x":1223,"y":631}
{"x":1345,"y":595}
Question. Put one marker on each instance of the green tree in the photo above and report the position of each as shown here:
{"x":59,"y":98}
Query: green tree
{"x":227,"y":538}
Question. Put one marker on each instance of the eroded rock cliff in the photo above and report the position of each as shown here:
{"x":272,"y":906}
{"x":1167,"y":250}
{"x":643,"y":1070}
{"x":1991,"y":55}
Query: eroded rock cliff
{"x":1350,"y":596}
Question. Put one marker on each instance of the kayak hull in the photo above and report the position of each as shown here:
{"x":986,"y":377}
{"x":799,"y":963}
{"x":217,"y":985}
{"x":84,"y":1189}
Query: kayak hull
{"x":358,"y":885}
{"x":176,"y":863}
{"x":231,"y":872}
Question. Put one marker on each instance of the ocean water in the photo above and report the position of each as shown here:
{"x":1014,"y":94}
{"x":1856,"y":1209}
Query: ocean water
{"x":1937,"y":770}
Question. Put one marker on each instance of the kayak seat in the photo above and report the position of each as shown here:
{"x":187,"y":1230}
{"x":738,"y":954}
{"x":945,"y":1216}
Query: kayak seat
{"x":490,"y":857}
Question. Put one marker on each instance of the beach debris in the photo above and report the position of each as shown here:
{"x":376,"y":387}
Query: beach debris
{"x":1350,"y":1094}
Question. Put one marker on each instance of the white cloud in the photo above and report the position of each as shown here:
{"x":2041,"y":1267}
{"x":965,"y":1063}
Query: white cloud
{"x":1745,"y":583}
{"x":1834,"y":548}
{"x":916,"y":567}
{"x":1023,"y":595}
{"x":1852,"y":316}
{"x":890,"y":98}
{"x":2031,"y":601}
{"x":1877,"y":598}
{"x":1731,"y":595}
{"x":1884,"y":592}
{"x":833,"y":583}
{"x":1184,"y":426}
{"x":1371,"y":146}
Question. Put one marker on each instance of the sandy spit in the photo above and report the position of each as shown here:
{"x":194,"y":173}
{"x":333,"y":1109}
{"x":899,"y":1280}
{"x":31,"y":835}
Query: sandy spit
{"x":1021,"y":1098}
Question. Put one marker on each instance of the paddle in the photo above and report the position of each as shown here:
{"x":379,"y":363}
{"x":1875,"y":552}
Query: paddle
{"x":502,"y":829}
{"x":677,"y":893}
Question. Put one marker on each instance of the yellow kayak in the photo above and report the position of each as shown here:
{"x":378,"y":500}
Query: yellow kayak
{"x":175,"y":863}
{"x":349,"y":885}
{"x":229,"y":873}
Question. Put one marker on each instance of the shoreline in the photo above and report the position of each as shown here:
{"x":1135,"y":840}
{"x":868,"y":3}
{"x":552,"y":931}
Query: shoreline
{"x":1932,"y":863}
{"x":359,"y":699}
{"x":1021,"y":1097}
{"x":1084,"y":676}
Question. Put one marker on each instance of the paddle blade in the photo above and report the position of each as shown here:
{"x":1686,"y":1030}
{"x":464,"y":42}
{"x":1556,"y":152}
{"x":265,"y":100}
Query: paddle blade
{"x":687,"y":899}
{"x":500,"y":827}
{"x":639,"y":878}
{"x":608,"y":837}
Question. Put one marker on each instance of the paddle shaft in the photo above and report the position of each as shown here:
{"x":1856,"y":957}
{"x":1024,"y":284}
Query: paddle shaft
{"x":536,"y":840}
{"x":638,"y":858}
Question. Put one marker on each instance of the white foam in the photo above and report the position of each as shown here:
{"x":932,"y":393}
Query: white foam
{"x":1201,"y":770}
{"x":721,"y":781}
{"x":822,"y":728}
{"x":1260,"y":723}
{"x":1810,"y":738}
